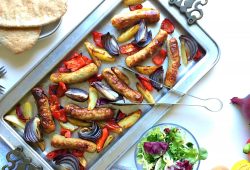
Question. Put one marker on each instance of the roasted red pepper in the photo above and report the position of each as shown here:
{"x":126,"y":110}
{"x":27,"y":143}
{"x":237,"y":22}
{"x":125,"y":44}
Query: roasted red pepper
{"x":65,"y":132}
{"x":54,"y":103}
{"x":120,"y":115}
{"x":19,"y":113}
{"x":198,"y":55}
{"x":98,"y":77}
{"x":77,"y":153}
{"x":135,"y":7}
{"x":60,"y":115}
{"x":145,"y":82}
{"x":63,"y":69}
{"x":53,"y":89}
{"x":129,"y":49}
{"x":100,"y":142}
{"x":159,"y":58}
{"x":51,"y":155}
{"x":62,"y":88}
{"x":76,"y":62}
{"x":97,"y":37}
{"x":167,"y":25}
{"x":113,"y":126}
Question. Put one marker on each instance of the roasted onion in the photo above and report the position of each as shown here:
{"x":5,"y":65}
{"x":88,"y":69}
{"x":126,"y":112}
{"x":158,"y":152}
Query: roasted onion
{"x":106,"y":91}
{"x":143,"y":37}
{"x":67,"y":159}
{"x":90,"y":133}
{"x":32,"y":132}
{"x":157,"y":76}
{"x":191,"y":46}
{"x":77,"y":94}
{"x":103,"y":101}
{"x":110,"y":44}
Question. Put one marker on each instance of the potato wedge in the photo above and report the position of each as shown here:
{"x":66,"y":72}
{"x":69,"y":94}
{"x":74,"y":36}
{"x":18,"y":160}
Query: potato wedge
{"x":132,"y":2}
{"x":130,"y":120}
{"x":145,"y":93}
{"x":90,"y":48}
{"x":68,"y":126}
{"x":78,"y":122}
{"x":120,"y":75}
{"x":15,"y":121}
{"x":99,"y":53}
{"x":147,"y":70}
{"x":128,"y":34}
{"x":108,"y":141}
{"x":27,"y":110}
{"x":82,"y":161}
{"x":183,"y":53}
{"x":41,"y":145}
{"x":93,"y":96}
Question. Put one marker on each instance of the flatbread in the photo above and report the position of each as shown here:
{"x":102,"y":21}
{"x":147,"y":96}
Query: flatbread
{"x":30,"y":13}
{"x":19,"y":39}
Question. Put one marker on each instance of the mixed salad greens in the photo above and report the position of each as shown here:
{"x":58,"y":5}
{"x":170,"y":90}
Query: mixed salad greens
{"x":167,"y":150}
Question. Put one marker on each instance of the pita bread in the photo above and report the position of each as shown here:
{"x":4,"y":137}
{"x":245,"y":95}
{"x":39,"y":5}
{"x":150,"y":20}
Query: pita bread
{"x":19,"y":39}
{"x":30,"y":13}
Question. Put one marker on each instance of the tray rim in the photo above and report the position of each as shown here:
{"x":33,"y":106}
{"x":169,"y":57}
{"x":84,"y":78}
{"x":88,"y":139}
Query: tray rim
{"x":25,"y":80}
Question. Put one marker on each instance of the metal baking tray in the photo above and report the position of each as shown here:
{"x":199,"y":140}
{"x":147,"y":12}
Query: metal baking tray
{"x":99,"y":20}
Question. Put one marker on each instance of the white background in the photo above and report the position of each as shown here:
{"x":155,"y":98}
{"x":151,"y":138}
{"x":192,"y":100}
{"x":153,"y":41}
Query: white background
{"x":224,"y":133}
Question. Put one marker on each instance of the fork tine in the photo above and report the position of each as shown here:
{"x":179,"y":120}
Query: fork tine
{"x":2,"y":68}
{"x":1,"y":87}
{"x":2,"y":73}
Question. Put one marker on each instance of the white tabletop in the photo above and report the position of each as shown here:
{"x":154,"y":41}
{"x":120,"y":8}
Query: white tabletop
{"x":224,"y":133}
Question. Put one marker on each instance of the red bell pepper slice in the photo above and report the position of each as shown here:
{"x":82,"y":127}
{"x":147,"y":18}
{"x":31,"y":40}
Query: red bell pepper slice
{"x":62,"y":88}
{"x":167,"y":25}
{"x":63,"y":69}
{"x":53,"y":89}
{"x":54,"y":103}
{"x":145,"y":82}
{"x":120,"y":116}
{"x":60,"y":115}
{"x":160,"y":57}
{"x":51,"y":155}
{"x":129,"y":49}
{"x":100,"y":142}
{"x":198,"y":55}
{"x":19,"y":113}
{"x":77,"y":62}
{"x":77,"y":153}
{"x":113,"y":126}
{"x":97,"y":37}
{"x":135,"y":7}
{"x":95,"y":78}
{"x":65,"y":132}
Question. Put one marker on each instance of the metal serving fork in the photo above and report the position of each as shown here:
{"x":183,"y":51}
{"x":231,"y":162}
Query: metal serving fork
{"x":2,"y":73}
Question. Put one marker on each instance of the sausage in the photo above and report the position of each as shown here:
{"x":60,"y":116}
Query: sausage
{"x":120,"y":87}
{"x":148,"y":51}
{"x":122,"y":21}
{"x":61,"y":142}
{"x":44,"y":112}
{"x":173,"y":63}
{"x":120,"y":75}
{"x":78,"y":76}
{"x":85,"y":114}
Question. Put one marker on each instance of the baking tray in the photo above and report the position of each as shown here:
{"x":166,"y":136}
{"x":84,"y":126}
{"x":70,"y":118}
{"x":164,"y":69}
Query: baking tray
{"x":99,"y":20}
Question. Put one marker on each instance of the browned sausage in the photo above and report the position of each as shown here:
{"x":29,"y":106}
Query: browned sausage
{"x":173,"y":63}
{"x":85,"y":114}
{"x":121,"y":21}
{"x":148,"y":51}
{"x":78,"y":76}
{"x":44,"y":112}
{"x":121,"y":87}
{"x":61,"y":142}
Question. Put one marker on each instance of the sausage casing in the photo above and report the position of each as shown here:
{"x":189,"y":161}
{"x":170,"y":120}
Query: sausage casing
{"x":120,"y":87}
{"x":44,"y":112}
{"x":61,"y":142}
{"x":78,"y":76}
{"x":122,"y":21}
{"x":148,"y":51}
{"x":173,"y":63}
{"x":89,"y":115}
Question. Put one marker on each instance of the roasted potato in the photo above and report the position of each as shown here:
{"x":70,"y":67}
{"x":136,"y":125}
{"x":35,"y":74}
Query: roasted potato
{"x":93,"y":96}
{"x":146,"y":94}
{"x":90,"y":48}
{"x":12,"y":118}
{"x":147,"y":70}
{"x":120,"y":75}
{"x":130,"y":120}
{"x":183,"y":53}
{"x":82,"y":161}
{"x":77,"y":122}
{"x":132,"y":2}
{"x":68,"y":126}
{"x":128,"y":34}
{"x":108,"y":141}
{"x":41,"y":145}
